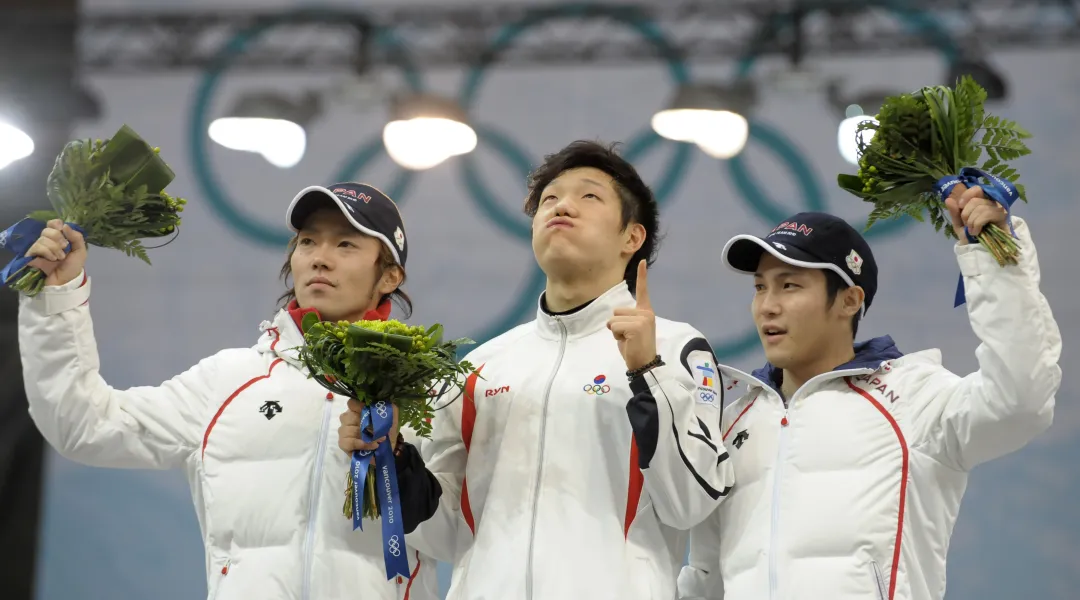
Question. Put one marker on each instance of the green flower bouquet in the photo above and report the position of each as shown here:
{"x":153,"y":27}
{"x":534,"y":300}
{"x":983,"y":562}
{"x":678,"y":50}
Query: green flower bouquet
{"x":111,"y":191}
{"x":927,"y":142}
{"x":380,"y":363}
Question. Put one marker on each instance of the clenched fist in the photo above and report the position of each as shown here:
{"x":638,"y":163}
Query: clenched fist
{"x":970,"y":208}
{"x":59,"y":263}
{"x":349,"y":439}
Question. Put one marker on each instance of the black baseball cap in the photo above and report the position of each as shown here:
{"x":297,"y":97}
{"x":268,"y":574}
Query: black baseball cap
{"x":369,"y":210}
{"x":812,"y":240}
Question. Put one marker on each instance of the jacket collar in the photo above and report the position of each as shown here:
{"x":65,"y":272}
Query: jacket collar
{"x":283,"y":335}
{"x":588,"y":320}
{"x":869,"y":355}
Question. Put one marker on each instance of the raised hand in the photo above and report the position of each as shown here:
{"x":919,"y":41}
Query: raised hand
{"x":970,"y":208}
{"x":635,"y":328}
{"x":59,"y":265}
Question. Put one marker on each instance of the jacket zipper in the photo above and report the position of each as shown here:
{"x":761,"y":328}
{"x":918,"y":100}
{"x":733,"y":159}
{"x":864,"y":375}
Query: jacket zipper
{"x":774,"y":535}
{"x":540,"y":460}
{"x":221,"y":580}
{"x":313,"y":496}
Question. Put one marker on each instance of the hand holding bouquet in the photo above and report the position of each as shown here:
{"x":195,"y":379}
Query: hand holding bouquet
{"x":383,"y":365}
{"x":926,"y":143}
{"x":111,"y":192}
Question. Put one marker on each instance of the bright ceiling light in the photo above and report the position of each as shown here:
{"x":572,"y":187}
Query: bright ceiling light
{"x":268,"y":124}
{"x":14,"y":144}
{"x":709,"y":116}
{"x":282,"y":143}
{"x":426,"y":131}
{"x":723,"y":134}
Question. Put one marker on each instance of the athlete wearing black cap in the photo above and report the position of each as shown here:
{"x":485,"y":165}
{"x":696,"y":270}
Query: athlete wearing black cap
{"x":253,"y":433}
{"x":851,"y":459}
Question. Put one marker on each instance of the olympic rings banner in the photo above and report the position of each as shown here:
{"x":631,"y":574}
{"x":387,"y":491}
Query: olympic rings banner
{"x":133,"y":534}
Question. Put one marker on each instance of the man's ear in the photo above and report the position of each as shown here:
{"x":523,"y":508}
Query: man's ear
{"x":391,"y":280}
{"x":852,"y":300}
{"x":635,"y":238}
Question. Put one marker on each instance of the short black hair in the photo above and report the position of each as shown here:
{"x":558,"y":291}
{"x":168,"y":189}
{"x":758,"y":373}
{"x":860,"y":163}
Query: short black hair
{"x":833,"y":286}
{"x":637,"y":200}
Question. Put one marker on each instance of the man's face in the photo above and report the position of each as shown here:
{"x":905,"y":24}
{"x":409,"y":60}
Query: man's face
{"x":792,"y":313}
{"x":335,"y":267}
{"x":578,"y":225}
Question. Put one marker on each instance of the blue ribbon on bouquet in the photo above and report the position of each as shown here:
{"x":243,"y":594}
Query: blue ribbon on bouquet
{"x":999,"y":190}
{"x":380,"y":417}
{"x":17,"y":239}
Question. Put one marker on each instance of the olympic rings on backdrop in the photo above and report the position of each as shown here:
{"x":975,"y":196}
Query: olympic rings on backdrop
{"x":247,"y":225}
{"x":511,"y":220}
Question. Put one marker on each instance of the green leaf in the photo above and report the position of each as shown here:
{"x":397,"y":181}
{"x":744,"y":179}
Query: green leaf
{"x":850,"y":183}
{"x":902,"y":193}
{"x":43,"y":215}
{"x":308,"y":321}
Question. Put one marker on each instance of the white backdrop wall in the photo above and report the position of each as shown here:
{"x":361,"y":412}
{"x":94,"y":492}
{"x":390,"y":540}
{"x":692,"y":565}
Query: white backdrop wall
{"x":132,"y":534}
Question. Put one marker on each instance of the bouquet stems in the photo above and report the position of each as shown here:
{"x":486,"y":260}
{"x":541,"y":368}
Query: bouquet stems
{"x":30,"y":282}
{"x":371,"y":501}
{"x":1000,"y":244}
{"x":371,"y":511}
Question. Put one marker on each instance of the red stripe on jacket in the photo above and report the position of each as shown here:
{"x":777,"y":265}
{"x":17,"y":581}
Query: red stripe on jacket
{"x":468,"y":421}
{"x":633,"y":488}
{"x":903,"y":482}
{"x":221,"y":409}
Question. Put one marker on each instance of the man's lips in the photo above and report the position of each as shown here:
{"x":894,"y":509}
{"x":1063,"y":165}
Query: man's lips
{"x":773,"y":333}
{"x":560,"y":222}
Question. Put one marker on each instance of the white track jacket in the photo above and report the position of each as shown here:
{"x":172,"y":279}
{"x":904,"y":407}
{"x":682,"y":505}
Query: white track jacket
{"x":256,"y":438}
{"x":851,"y":490}
{"x":563,"y":480}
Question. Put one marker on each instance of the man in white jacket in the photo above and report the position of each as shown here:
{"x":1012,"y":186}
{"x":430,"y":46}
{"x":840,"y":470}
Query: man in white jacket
{"x":252,"y":432}
{"x":588,"y":438}
{"x":852,"y":460}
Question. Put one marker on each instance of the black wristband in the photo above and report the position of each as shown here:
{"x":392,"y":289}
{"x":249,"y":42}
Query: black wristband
{"x":645,"y":368}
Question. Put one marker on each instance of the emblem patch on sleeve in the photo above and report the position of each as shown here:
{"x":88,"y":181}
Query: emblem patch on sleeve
{"x":706,"y":378}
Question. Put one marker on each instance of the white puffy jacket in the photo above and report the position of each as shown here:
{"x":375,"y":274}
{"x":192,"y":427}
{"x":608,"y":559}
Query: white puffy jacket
{"x":255,"y":436}
{"x":851,"y":491}
{"x":548,"y":491}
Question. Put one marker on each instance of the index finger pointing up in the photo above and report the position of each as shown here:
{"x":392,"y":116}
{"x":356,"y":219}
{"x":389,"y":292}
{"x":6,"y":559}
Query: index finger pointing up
{"x":643,"y":286}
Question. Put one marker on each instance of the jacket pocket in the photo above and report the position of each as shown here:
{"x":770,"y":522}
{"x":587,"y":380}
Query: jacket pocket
{"x":879,"y":581}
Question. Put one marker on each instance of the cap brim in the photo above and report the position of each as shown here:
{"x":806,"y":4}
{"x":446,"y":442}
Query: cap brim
{"x":297,"y":212}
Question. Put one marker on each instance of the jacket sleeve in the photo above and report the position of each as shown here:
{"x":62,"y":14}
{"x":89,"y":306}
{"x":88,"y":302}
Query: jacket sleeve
{"x":420,"y":489}
{"x":700,"y":578}
{"x":83,"y":418}
{"x":675,"y":415}
{"x":445,"y":454}
{"x":1010,"y":400}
